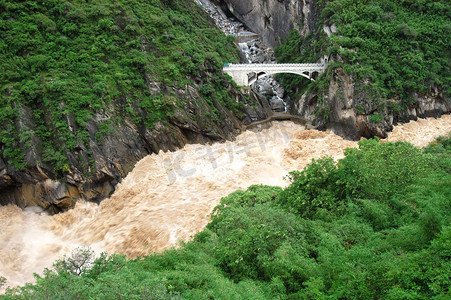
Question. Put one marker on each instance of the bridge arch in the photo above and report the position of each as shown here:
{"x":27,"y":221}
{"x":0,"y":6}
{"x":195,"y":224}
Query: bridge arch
{"x":253,"y":77}
{"x":305,"y":74}
{"x":247,"y":74}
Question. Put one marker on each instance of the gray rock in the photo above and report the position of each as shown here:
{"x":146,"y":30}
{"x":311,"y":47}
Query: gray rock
{"x":348,"y":108}
{"x":264,"y":88}
{"x":277,"y":104}
{"x":93,"y":176}
{"x":274,"y":19}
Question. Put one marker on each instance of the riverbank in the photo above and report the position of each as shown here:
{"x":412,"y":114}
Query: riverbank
{"x":168,"y":197}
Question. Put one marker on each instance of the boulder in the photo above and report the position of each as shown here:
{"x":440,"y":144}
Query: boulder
{"x":277,"y":104}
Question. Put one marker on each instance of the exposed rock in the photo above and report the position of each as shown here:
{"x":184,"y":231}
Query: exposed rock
{"x":345,"y":107}
{"x":253,"y":50}
{"x":265,"y":88}
{"x":51,"y":195}
{"x":274,"y":19}
{"x":95,"y":170}
{"x":277,"y":104}
{"x":225,"y":24}
{"x":246,"y":36}
{"x":351,"y":112}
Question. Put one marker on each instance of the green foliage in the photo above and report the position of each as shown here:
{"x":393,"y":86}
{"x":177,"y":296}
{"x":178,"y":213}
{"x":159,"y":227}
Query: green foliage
{"x":77,"y":264}
{"x":249,"y":237}
{"x":297,"y":49}
{"x":68,"y":61}
{"x":375,"y":118}
{"x":374,"y":225}
{"x":313,"y":189}
{"x":380,"y":170}
{"x":2,"y":282}
{"x":440,"y":145}
{"x":397,"y":47}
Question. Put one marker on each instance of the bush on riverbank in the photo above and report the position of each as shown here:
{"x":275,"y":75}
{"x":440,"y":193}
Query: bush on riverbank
{"x":375,"y":224}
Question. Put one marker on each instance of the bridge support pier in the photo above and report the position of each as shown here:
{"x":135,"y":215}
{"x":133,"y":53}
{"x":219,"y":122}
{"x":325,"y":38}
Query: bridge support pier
{"x":239,"y":77}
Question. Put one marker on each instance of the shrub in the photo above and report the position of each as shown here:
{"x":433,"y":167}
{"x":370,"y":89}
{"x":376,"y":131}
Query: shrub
{"x":391,"y":244}
{"x":381,"y":170}
{"x":313,"y":188}
{"x":406,"y":31}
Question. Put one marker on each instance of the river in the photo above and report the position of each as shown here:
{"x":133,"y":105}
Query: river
{"x":168,"y":197}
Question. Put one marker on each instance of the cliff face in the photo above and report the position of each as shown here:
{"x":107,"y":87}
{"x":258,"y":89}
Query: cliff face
{"x":381,"y":85}
{"x":96,"y":168}
{"x":349,"y":111}
{"x":275,"y":19}
{"x":88,"y":90}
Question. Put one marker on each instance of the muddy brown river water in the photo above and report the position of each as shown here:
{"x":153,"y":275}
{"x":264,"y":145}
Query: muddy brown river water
{"x":168,"y":197}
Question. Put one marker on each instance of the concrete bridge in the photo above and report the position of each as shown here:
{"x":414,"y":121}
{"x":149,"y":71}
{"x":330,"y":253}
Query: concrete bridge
{"x":247,"y":74}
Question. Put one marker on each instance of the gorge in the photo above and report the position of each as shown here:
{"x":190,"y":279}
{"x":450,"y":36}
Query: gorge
{"x":161,"y":111}
{"x":132,"y":157}
{"x":168,"y":197}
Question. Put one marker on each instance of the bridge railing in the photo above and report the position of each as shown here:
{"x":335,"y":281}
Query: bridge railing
{"x":274,"y":67}
{"x":279,"y":66}
{"x":247,"y":74}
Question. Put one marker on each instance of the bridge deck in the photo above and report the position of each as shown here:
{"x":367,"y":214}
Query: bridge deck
{"x":251,"y":67}
{"x":247,"y":74}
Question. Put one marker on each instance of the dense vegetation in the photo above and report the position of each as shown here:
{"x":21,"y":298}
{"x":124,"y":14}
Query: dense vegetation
{"x":374,"y":225}
{"x":62,"y":62}
{"x":397,"y":48}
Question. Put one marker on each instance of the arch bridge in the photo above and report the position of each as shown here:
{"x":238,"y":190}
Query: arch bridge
{"x":247,"y":74}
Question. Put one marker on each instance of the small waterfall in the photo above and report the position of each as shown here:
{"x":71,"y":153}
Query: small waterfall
{"x":168,"y":197}
{"x":254,"y":52}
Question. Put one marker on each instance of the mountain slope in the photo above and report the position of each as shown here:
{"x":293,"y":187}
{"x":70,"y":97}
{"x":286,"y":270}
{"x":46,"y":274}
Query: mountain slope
{"x":89,"y":87}
{"x":390,"y":62}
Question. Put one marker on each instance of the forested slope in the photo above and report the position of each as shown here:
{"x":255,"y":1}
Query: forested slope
{"x":390,"y":61}
{"x":374,"y":225}
{"x":89,"y":87}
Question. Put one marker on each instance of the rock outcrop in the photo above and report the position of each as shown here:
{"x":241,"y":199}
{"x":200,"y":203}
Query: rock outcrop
{"x":274,"y":19}
{"x":349,"y":111}
{"x":94,"y":170}
{"x":345,"y":106}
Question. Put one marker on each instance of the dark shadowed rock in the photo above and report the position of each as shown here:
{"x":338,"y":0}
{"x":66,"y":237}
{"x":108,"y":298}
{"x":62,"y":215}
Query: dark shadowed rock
{"x":277,"y":104}
{"x":94,"y":170}
{"x":274,"y":19}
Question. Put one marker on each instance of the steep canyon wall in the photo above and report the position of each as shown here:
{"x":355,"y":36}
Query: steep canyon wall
{"x":115,"y":154}
{"x":111,"y":83}
{"x":274,"y":19}
{"x":345,"y":105}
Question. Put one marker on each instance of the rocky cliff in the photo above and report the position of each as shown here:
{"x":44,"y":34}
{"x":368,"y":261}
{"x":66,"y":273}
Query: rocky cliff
{"x":95,"y":88}
{"x":348,"y":110}
{"x":275,"y":19}
{"x":96,"y":168}
{"x":380,"y":69}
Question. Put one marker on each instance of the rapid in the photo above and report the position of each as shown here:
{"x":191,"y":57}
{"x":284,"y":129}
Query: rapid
{"x":168,"y":197}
